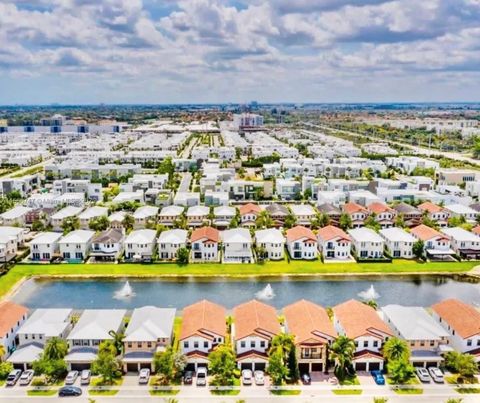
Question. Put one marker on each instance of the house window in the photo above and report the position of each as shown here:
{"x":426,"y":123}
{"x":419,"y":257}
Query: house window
{"x":252,"y":344}
{"x":195,"y":344}
{"x":185,"y":344}
{"x":205,"y":344}
{"x":242,"y":344}
{"x":262,"y":344}
{"x":365,"y":343}
{"x":469,"y":342}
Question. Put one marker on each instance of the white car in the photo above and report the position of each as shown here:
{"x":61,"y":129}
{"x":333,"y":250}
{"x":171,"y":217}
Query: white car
{"x":71,"y":377}
{"x":85,"y":377}
{"x":144,"y":376}
{"x":26,"y":377}
{"x":423,"y":375}
{"x":202,"y":376}
{"x":247,"y":377}
{"x":259,"y":377}
{"x":436,"y":374}
{"x":13,"y":377}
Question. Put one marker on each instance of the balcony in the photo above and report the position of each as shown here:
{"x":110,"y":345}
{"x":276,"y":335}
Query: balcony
{"x":310,"y":356}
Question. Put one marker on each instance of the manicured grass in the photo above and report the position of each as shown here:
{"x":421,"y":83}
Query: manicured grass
{"x":227,"y":392}
{"x":456,"y":379}
{"x":164,"y":392}
{"x":467,"y":390}
{"x":177,"y":325}
{"x":286,"y":392}
{"x":409,"y":388}
{"x":347,"y":391}
{"x":2,"y":382}
{"x":42,"y":392}
{"x":295,"y":267}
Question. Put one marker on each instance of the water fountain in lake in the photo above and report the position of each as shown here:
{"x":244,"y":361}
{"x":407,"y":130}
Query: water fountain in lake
{"x":369,"y":294}
{"x":266,"y":293}
{"x":125,"y":292}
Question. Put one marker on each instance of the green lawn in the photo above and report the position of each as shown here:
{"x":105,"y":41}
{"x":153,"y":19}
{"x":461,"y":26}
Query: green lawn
{"x":286,"y":392}
{"x":349,"y":381}
{"x":164,"y":392}
{"x":409,"y":388}
{"x":295,"y":267}
{"x":467,"y":390}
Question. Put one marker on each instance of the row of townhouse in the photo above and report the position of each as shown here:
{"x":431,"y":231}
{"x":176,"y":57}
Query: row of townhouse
{"x":447,"y":326}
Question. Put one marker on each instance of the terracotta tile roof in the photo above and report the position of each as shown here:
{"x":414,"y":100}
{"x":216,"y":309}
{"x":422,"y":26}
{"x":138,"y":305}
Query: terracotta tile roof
{"x":351,"y":208}
{"x":308,"y":321}
{"x":203,"y":318}
{"x":330,"y":232}
{"x":378,"y":208}
{"x":476,"y":230}
{"x":358,"y":319}
{"x":255,"y":317}
{"x":425,"y":233}
{"x":299,"y":232}
{"x":211,"y":234}
{"x":462,"y":317}
{"x":249,"y":208}
{"x":430,"y":207}
{"x":10,"y":314}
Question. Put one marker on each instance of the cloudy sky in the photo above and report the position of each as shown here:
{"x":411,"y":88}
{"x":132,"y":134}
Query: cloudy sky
{"x":194,"y":51}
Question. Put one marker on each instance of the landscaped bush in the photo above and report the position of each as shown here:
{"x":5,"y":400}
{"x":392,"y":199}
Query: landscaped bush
{"x":5,"y":369}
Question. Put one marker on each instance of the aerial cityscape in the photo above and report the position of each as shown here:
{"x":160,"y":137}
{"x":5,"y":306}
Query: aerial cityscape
{"x":239,"y":201}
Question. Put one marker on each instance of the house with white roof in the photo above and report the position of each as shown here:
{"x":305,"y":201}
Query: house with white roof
{"x":334,"y":197}
{"x":144,"y":215}
{"x":304,"y":214}
{"x":170,"y":241}
{"x":75,"y":246}
{"x":85,"y":217}
{"x":15,"y":216}
{"x":237,"y":246}
{"x":15,"y":232}
{"x":44,"y":246}
{"x":57,"y":219}
{"x":8,"y":248}
{"x":334,"y":243}
{"x":140,"y":244}
{"x":117,"y":219}
{"x":460,"y":210}
{"x":272,"y":241}
{"x":426,"y":338}
{"x":150,"y":330}
{"x":93,"y":327}
{"x":465,"y":243}
{"x":223,"y":216}
{"x":197,"y":216}
{"x":187,"y":199}
{"x":169,"y":215}
{"x":366,"y":243}
{"x":398,"y":242}
{"x":125,"y":197}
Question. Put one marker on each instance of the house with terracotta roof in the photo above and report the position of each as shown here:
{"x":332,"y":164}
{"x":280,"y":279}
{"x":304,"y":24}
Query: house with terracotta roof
{"x":436,"y":213}
{"x":436,"y":244}
{"x":334,"y":243}
{"x":411,"y":215}
{"x":476,"y":230}
{"x":248,"y":214}
{"x":384,"y":215}
{"x":462,"y":322}
{"x":358,"y":214}
{"x":361,"y":323}
{"x":366,"y":243}
{"x":313,"y":331}
{"x":255,"y":324}
{"x":12,"y":317}
{"x":203,"y":328}
{"x":204,"y":243}
{"x":301,"y":243}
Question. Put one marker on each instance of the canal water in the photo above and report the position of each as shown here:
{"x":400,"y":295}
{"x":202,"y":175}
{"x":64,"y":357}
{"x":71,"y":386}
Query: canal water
{"x":326,"y":291}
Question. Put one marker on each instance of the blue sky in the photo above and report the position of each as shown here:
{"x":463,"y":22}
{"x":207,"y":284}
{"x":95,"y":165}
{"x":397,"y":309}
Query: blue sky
{"x":195,"y":51}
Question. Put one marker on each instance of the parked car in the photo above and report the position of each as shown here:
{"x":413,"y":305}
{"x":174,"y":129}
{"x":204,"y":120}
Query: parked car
{"x":13,"y":377}
{"x":69,"y":391}
{"x":85,"y":377}
{"x":247,"y":377}
{"x":378,"y":377}
{"x":71,"y":377}
{"x":306,"y":379}
{"x":144,"y":376}
{"x":188,"y":378}
{"x":202,"y":376}
{"x":436,"y":374}
{"x":423,"y":375}
{"x":26,"y":377}
{"x":259,"y":377}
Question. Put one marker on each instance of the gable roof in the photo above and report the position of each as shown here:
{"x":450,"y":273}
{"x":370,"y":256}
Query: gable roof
{"x":329,"y":208}
{"x":204,"y":318}
{"x":150,"y":323}
{"x":277,"y":209}
{"x":240,"y":235}
{"x":77,"y":236}
{"x":10,"y":314}
{"x":352,"y":207}
{"x":299,"y":232}
{"x":359,"y":319}
{"x":307,"y":321}
{"x":462,"y":317}
{"x":331,"y":232}
{"x":109,"y":235}
{"x":378,"y":208}
{"x":425,"y":232}
{"x":269,"y":235}
{"x":249,"y":208}
{"x":173,"y":236}
{"x":430,"y":207}
{"x":406,"y":209}
{"x":141,"y":236}
{"x":211,"y":234}
{"x":255,"y":317}
{"x":48,"y":322}
{"x":95,"y":324}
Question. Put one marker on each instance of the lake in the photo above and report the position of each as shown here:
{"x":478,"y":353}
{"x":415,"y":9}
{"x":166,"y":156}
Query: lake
{"x":326,"y":291}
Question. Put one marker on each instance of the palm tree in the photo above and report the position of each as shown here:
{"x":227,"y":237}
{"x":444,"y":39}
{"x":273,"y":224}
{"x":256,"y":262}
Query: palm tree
{"x":117,"y":340}
{"x":341,"y":352}
{"x":264,"y":220}
{"x":128,"y":222}
{"x":3,"y":351}
{"x":55,"y":349}
{"x":395,"y":349}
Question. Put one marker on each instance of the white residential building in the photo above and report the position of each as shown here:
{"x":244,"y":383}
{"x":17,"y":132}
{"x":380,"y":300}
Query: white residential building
{"x":15,"y":216}
{"x":91,"y":213}
{"x":304,"y":214}
{"x":301,"y":243}
{"x":57,"y":219}
{"x":334,"y":243}
{"x":75,"y":246}
{"x":237,"y":246}
{"x":204,"y":241}
{"x":459,"y":210}
{"x":169,"y":215}
{"x":140,"y":244}
{"x":170,"y":241}
{"x":399,"y":243}
{"x":197,"y":216}
{"x":44,"y":246}
{"x":43,"y":324}
{"x":272,"y":241}
{"x":223,"y":216}
{"x":144,"y":215}
{"x":464,"y":243}
{"x":366,"y":243}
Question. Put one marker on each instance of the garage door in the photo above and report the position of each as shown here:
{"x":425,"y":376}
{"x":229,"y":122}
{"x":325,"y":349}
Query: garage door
{"x":246,"y":365}
{"x":317,"y":367}
{"x":190,"y":367}
{"x":374,"y":366}
{"x":360,"y":366}
{"x":132,"y":367}
{"x":80,"y":367}
{"x":432,"y":364}
{"x":202,"y":365}
{"x":303,"y":368}
{"x":260,"y":366}
{"x":146,"y":365}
